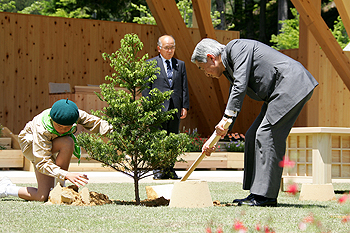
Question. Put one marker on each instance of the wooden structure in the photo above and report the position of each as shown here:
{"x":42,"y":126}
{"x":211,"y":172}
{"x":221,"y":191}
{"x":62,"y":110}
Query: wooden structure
{"x":322,"y":153}
{"x":37,"y":50}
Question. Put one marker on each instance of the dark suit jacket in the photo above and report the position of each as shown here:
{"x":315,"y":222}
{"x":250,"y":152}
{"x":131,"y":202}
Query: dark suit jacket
{"x":180,"y":96}
{"x":264,"y":74}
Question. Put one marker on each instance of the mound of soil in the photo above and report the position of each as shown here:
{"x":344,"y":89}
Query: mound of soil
{"x":71,"y":196}
{"x":161,"y":201}
{"x":218,"y":203}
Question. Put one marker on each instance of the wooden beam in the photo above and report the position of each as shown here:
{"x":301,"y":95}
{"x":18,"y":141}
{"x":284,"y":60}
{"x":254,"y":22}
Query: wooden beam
{"x":202,"y":91}
{"x":202,"y":12}
{"x":343,"y":7}
{"x":325,"y":38}
{"x":309,"y":56}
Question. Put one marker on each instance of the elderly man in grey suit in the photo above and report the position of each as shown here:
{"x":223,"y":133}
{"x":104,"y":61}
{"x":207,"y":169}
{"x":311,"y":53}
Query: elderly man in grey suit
{"x":173,"y":77}
{"x":264,"y":74}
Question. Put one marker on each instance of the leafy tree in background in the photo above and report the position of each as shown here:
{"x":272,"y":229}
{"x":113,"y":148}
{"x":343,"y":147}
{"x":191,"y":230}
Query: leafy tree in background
{"x":339,"y":33}
{"x":7,"y":6}
{"x":110,"y":10}
{"x":136,"y":145}
{"x":289,"y":38}
{"x":186,"y":11}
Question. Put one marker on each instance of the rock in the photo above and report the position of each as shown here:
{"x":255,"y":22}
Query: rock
{"x":70,"y":196}
{"x":55,"y":194}
{"x":67,"y":196}
{"x":85,"y":196}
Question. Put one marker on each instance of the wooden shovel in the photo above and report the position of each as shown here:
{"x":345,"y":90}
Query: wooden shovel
{"x":214,"y":138}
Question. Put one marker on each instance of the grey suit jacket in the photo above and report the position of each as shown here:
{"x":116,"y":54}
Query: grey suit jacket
{"x":264,"y":74}
{"x":180,"y":96}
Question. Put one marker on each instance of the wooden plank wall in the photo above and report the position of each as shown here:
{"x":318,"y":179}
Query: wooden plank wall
{"x":36,"y":50}
{"x":330,"y":102}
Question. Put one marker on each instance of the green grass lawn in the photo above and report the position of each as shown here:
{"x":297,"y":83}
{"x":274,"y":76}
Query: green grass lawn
{"x":17,"y":215}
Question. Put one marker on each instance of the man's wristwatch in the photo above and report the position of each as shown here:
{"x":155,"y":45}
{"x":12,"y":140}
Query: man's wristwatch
{"x":228,"y":117}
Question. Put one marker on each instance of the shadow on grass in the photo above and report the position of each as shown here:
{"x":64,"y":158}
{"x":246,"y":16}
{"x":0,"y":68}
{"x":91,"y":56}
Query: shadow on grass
{"x":230,"y":204}
{"x":300,"y":205}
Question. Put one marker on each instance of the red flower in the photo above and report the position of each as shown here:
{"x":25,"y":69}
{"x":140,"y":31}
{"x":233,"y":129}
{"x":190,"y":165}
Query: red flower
{"x":258,"y":227}
{"x":292,"y":189}
{"x":208,"y":230}
{"x":219,"y":230}
{"x":268,"y":230}
{"x":238,"y":226}
{"x":343,"y":199}
{"x":286,"y":162}
{"x":345,"y":219}
{"x":309,"y":219}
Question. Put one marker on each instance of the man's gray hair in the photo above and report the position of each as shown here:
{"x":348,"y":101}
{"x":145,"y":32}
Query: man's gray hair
{"x":159,"y":43}
{"x":204,"y":47}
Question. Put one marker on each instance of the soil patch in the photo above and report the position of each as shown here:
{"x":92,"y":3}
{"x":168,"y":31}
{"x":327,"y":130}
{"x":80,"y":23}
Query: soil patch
{"x":161,"y":201}
{"x":71,"y":196}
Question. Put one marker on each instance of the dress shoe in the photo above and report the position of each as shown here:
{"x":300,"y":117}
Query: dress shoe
{"x":174,"y":176}
{"x":250,"y":196}
{"x":160,"y":175}
{"x":260,"y":201}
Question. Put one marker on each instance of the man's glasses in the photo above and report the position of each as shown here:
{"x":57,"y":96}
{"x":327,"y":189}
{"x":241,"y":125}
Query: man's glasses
{"x":168,"y":48}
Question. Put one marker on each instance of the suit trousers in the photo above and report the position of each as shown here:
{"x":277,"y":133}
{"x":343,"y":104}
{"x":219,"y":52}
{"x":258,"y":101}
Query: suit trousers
{"x":265,"y":147}
{"x":172,"y":125}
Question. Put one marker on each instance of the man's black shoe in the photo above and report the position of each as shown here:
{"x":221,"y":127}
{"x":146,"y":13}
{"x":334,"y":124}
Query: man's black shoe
{"x":160,"y":175}
{"x":260,"y":201}
{"x":174,"y":176}
{"x":250,"y":196}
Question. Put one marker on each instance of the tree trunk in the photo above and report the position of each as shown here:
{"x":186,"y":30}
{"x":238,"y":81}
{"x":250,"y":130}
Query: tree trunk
{"x":282,"y":13}
{"x":262,"y":25}
{"x":220,"y":6}
{"x":136,"y":186}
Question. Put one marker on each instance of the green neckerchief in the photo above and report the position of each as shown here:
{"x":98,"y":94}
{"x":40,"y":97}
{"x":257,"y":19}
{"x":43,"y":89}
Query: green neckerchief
{"x":46,"y":120}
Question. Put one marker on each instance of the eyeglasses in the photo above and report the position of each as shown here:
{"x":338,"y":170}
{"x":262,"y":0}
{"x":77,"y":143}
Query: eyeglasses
{"x":168,"y":48}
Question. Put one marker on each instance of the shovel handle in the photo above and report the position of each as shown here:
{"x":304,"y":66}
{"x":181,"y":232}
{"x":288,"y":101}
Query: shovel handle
{"x":214,"y":138}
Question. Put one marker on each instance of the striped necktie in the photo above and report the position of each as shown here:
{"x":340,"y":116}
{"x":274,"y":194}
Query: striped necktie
{"x":169,"y":72}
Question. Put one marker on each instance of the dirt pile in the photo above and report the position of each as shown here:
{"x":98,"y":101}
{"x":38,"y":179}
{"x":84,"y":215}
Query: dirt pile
{"x":218,"y":203}
{"x":160,"y":201}
{"x":71,"y":196}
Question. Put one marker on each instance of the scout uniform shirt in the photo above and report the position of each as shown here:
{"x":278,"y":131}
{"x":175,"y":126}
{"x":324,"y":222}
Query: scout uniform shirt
{"x":36,"y":141}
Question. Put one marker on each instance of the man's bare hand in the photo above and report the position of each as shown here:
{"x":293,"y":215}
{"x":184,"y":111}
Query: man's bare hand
{"x":207,"y":150}
{"x":219,"y":128}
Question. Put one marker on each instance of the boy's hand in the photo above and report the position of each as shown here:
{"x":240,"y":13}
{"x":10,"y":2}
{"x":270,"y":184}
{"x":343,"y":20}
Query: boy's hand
{"x":77,"y":179}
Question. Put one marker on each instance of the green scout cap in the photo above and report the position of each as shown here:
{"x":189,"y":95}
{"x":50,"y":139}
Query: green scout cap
{"x":64,"y":112}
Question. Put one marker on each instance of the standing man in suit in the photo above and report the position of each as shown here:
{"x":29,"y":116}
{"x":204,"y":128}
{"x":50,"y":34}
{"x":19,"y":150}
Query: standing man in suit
{"x":264,"y":74}
{"x":172,"y":76}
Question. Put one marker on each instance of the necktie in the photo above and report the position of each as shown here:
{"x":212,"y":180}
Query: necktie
{"x":169,"y":72}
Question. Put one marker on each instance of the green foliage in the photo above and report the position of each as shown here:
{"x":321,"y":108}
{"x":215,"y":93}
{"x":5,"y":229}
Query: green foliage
{"x":235,"y":146}
{"x":235,"y":142}
{"x":186,"y":11}
{"x":289,"y":36}
{"x":136,"y":145}
{"x":339,"y":33}
{"x":35,"y":8}
{"x":146,"y":18}
{"x":61,"y":8}
{"x":7,"y":5}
